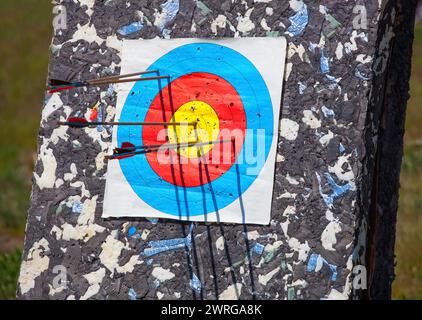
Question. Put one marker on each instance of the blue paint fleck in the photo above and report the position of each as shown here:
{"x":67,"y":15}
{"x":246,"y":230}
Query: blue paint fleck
{"x":153,"y":220}
{"x":332,"y":78}
{"x":324,"y":64}
{"x":131,"y":28}
{"x":156,"y":247}
{"x":298,"y":22}
{"x":302,"y":88}
{"x":360,"y":75}
{"x":132,"y":294}
{"x":327,"y":112}
{"x":312,"y":47}
{"x":100,"y":118}
{"x":341,"y":148}
{"x":150,"y":261}
{"x":313,"y":261}
{"x":195,"y":283}
{"x":258,"y":248}
{"x":338,"y":190}
{"x":77,"y":207}
{"x":169,"y":11}
{"x":131,"y":232}
{"x":110,"y":90}
{"x":156,"y":283}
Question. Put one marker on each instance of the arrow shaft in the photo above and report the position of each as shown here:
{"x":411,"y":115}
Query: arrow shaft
{"x":157,"y":146}
{"x":53,"y":89}
{"x":165,"y":147}
{"x":130,"y":80}
{"x":89,"y":124}
{"x":93,"y":81}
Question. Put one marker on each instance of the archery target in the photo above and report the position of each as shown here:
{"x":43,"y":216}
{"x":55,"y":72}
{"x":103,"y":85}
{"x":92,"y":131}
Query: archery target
{"x":227,"y":94}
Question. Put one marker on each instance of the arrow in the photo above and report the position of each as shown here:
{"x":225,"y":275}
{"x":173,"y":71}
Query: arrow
{"x":130,"y":147}
{"x":154,"y":148}
{"x":56,"y":85}
{"x":83,"y":123}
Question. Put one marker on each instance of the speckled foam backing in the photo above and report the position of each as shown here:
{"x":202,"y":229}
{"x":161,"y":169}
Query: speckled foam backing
{"x":333,"y":85}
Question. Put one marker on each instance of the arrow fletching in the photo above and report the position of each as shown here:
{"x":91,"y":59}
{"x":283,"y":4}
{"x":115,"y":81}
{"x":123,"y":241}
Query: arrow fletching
{"x":60,"y":89}
{"x":126,"y":147}
{"x":76,"y":123}
{"x":57,"y":82}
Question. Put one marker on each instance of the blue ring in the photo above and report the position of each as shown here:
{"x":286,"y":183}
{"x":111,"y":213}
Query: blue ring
{"x":212,"y":197}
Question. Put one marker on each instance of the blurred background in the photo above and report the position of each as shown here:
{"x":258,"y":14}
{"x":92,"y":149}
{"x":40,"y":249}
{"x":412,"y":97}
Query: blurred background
{"x":25,"y":35}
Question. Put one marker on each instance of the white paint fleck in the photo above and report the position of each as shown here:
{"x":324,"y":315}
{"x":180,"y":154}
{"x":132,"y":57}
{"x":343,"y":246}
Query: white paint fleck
{"x":288,"y":70}
{"x":310,"y":119}
{"x":264,"y":25}
{"x":245,"y":24}
{"x":328,"y":236}
{"x":145,"y":234}
{"x":59,"y":182}
{"x":292,"y":180}
{"x":325,"y":139}
{"x":89,"y":4}
{"x":48,"y":176}
{"x":296,"y":5}
{"x":109,"y":256}
{"x":253,"y":235}
{"x":279,"y":158}
{"x":72,"y":174}
{"x":363,"y":58}
{"x":301,"y":248}
{"x":88,"y":33}
{"x":342,"y":171}
{"x":339,"y":51}
{"x":337,"y":295}
{"x":219,"y":22}
{"x":162,"y":274}
{"x":293,"y":49}
{"x":85,"y":232}
{"x":100,"y":161}
{"x":290,"y":210}
{"x":84,"y":191}
{"x":289,"y":129}
{"x":263,"y":279}
{"x":54,"y":291}
{"x":94,"y":279}
{"x":352,"y":44}
{"x":36,"y":263}
{"x":287,"y":195}
{"x":273,"y":247}
{"x":232,"y":292}
{"x":53,"y":104}
{"x":269,"y":11}
{"x":219,"y":243}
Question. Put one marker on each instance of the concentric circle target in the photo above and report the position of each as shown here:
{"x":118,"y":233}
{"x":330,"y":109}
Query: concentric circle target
{"x":223,"y":93}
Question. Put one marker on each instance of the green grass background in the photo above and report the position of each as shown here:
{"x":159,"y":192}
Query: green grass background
{"x":25,"y":35}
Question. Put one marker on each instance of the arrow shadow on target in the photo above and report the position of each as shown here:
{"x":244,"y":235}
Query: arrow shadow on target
{"x":206,"y":181}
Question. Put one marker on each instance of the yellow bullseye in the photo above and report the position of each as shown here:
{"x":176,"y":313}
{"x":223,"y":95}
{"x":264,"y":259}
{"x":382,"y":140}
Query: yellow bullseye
{"x":207,"y":128}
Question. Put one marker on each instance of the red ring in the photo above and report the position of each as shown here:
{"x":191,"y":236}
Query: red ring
{"x":226,"y":102}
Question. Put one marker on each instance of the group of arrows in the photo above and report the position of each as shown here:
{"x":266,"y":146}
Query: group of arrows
{"x":127,"y":149}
